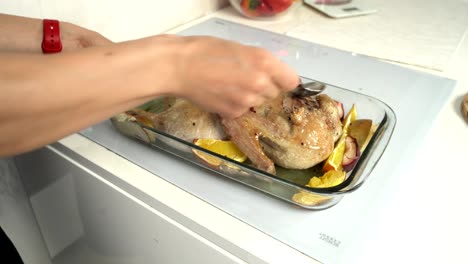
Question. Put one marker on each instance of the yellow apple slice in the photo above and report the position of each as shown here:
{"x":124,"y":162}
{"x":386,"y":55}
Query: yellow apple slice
{"x":335,"y":159}
{"x":360,"y":130}
{"x":349,"y":118}
{"x":309,"y":199}
{"x":329,"y":179}
{"x":222,"y":147}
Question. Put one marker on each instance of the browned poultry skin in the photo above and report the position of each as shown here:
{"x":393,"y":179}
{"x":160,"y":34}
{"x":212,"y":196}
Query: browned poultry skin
{"x":185,"y":121}
{"x":292,"y":132}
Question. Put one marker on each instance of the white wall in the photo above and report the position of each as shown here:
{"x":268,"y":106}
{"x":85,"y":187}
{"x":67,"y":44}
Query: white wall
{"x":118,"y":20}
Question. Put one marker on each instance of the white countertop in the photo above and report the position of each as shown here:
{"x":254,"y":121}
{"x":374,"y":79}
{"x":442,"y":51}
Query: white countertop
{"x":423,"y":222}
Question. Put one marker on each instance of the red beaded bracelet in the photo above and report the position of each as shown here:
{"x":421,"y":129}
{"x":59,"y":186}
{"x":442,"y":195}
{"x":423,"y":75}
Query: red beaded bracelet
{"x":51,"y":39}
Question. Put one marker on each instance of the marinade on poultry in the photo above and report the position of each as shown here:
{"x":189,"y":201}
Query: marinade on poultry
{"x":184,"y":120}
{"x":289,"y":131}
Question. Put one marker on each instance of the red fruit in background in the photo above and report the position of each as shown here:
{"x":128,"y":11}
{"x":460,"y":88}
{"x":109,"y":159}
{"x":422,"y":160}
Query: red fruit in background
{"x":278,"y":6}
{"x":250,"y":7}
{"x":255,"y":8}
{"x":264,"y":7}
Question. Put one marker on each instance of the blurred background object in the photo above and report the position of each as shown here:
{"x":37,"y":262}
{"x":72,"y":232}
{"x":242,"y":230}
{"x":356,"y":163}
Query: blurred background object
{"x":265,"y":9}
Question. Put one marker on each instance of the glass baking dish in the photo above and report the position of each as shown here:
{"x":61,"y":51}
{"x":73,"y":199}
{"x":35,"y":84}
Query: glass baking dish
{"x":288,"y":185}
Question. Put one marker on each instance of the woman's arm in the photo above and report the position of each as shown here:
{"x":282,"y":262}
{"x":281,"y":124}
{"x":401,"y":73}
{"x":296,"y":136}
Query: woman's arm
{"x":44,"y":98}
{"x":23,"y":34}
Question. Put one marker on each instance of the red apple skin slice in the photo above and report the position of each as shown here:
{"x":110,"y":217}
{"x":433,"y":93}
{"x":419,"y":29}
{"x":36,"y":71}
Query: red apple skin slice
{"x":351,"y":155}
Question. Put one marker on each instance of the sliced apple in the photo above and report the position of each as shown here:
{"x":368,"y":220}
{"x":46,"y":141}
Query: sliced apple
{"x":222,"y":147}
{"x":351,"y":154}
{"x":349,"y":118}
{"x":371,"y":133}
{"x":328,"y":179}
{"x":335,"y":159}
{"x":360,"y":130}
{"x":309,"y":199}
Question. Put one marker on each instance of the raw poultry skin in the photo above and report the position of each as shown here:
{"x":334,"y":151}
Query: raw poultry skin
{"x":292,"y":132}
{"x":289,"y":131}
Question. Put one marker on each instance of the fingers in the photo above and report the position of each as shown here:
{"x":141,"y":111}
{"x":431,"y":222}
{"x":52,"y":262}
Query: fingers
{"x":263,"y":86}
{"x":229,"y":78}
{"x":283,"y":76}
{"x":263,"y":78}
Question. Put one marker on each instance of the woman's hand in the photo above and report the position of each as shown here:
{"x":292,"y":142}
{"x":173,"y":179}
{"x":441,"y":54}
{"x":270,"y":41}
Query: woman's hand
{"x":228,"y":78}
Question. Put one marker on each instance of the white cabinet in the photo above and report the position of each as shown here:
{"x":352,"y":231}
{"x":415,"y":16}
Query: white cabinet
{"x":84,"y":218}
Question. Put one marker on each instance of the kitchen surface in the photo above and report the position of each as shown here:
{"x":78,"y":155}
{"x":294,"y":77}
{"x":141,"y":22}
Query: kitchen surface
{"x":100,"y":197}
